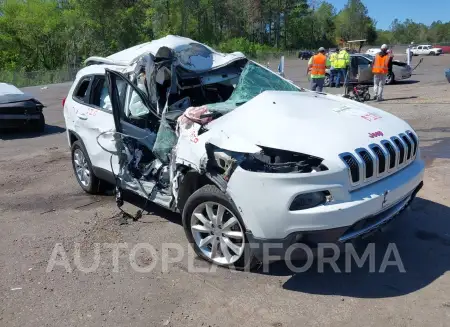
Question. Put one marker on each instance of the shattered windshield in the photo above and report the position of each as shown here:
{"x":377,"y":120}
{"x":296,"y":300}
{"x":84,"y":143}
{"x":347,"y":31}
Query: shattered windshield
{"x":196,"y":56}
{"x":253,"y":81}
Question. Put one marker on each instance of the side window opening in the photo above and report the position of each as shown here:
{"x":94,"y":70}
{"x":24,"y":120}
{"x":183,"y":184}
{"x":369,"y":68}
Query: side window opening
{"x":100,"y":94}
{"x":97,"y":96}
{"x":82,"y":89}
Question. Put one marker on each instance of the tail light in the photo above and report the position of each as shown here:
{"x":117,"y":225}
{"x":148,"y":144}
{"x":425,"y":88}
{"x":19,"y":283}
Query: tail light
{"x":63,"y":102}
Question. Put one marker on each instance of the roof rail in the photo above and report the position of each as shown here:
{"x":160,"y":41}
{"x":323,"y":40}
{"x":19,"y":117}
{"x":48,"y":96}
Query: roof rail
{"x":101,"y":60}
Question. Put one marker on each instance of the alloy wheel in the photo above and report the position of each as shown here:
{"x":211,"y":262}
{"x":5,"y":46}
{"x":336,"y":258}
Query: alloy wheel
{"x":327,"y":81}
{"x":218,"y":233}
{"x":81,"y":167}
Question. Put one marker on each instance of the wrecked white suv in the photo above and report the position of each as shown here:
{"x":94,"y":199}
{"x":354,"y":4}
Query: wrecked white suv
{"x":248,"y":158}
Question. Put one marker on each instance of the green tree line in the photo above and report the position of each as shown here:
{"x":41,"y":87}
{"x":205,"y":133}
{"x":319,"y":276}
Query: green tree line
{"x":50,"y":34}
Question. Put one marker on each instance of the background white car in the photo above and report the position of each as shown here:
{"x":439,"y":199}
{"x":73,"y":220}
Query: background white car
{"x":373,"y":51}
{"x":426,"y":50}
{"x":248,"y":158}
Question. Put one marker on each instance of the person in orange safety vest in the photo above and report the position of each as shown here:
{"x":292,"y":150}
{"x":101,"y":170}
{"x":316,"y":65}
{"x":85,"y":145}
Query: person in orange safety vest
{"x":380,"y":70}
{"x":317,"y":66}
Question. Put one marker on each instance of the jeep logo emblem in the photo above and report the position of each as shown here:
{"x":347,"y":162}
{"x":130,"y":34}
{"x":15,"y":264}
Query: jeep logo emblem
{"x":375,"y":134}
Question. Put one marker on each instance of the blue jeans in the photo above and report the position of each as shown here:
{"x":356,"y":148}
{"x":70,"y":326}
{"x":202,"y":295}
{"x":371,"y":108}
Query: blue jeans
{"x":332,"y":76}
{"x":317,"y":84}
{"x":340,"y":72}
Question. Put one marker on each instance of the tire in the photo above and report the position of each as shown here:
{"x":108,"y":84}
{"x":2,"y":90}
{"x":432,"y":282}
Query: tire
{"x":38,"y":125}
{"x":367,"y":97}
{"x":80,"y":160}
{"x":210,"y":196}
{"x":327,"y":81}
{"x":390,"y":79}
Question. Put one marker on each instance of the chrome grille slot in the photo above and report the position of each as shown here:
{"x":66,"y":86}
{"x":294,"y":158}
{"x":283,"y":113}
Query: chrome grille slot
{"x":392,"y":154}
{"x":353,"y":165}
{"x":414,"y":140}
{"x":380,"y":160}
{"x":400,"y":148}
{"x":368,"y":163}
{"x":408,"y":146}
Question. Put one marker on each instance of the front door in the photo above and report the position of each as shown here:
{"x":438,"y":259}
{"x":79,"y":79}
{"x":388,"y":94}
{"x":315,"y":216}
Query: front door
{"x":136,"y":125}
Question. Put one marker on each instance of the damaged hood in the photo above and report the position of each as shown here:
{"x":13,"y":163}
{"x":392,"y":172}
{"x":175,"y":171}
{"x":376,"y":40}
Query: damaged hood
{"x":307,"y":122}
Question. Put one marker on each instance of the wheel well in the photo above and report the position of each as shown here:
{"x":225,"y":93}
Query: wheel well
{"x":72,"y":137}
{"x":191,"y":182}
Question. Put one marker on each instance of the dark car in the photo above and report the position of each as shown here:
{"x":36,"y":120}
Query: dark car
{"x":19,"y":110}
{"x":305,"y":54}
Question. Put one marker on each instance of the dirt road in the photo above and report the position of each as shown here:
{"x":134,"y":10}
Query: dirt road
{"x":42,"y":205}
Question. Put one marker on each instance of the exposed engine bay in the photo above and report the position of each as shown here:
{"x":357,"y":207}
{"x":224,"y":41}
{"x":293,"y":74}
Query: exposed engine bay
{"x":169,"y":108}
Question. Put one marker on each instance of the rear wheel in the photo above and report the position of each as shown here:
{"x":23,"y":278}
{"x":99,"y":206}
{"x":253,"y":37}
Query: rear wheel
{"x":390,"y":79}
{"x":215,"y":229}
{"x":83,"y":169}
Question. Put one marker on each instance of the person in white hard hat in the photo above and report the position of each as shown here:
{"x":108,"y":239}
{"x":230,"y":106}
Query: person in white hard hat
{"x":380,"y":70}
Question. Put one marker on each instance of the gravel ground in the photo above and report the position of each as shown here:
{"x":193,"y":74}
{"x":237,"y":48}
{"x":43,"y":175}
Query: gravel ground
{"x":42,"y":205}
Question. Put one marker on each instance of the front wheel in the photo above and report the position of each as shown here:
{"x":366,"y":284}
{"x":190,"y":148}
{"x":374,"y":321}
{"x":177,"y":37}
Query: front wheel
{"x":215,"y":229}
{"x":327,"y":81}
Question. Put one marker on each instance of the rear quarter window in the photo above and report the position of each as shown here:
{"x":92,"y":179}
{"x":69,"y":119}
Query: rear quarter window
{"x":81,"y":91}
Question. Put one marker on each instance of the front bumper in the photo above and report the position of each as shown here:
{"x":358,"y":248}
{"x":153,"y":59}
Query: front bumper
{"x":312,"y":239}
{"x":264,"y":200}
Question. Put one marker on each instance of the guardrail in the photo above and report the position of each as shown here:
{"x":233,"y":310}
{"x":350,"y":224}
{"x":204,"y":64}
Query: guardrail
{"x":42,"y":77}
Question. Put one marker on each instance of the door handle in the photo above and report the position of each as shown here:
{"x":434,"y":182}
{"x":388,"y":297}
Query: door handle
{"x":82,"y":116}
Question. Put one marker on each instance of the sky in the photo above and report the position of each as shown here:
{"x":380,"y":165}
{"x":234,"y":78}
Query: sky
{"x":420,"y":11}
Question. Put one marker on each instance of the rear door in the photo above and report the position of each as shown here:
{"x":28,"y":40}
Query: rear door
{"x":95,"y":124}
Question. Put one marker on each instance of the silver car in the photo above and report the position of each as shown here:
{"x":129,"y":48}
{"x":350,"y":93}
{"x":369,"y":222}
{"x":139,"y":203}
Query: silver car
{"x":361,"y":70}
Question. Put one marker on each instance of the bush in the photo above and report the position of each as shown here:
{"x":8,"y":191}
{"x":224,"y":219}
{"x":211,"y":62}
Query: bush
{"x":250,"y":49}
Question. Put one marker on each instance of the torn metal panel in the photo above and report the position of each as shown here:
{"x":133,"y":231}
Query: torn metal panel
{"x":194,"y":56}
{"x":146,"y":65}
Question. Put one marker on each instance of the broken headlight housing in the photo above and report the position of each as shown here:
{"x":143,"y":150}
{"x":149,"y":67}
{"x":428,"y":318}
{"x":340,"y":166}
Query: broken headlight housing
{"x":268,"y":160}
{"x":271,"y":160}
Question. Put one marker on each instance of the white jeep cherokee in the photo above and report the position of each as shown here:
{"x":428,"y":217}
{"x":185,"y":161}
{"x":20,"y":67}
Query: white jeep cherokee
{"x":243,"y":154}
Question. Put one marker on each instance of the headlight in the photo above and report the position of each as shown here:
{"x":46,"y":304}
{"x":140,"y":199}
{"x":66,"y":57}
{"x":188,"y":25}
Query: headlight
{"x":268,"y":160}
{"x":307,"y":200}
{"x":281,"y":161}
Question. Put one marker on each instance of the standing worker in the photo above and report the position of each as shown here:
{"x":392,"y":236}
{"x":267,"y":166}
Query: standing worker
{"x":341,"y":65}
{"x":333,"y":58}
{"x":317,"y":65}
{"x":380,"y":69}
